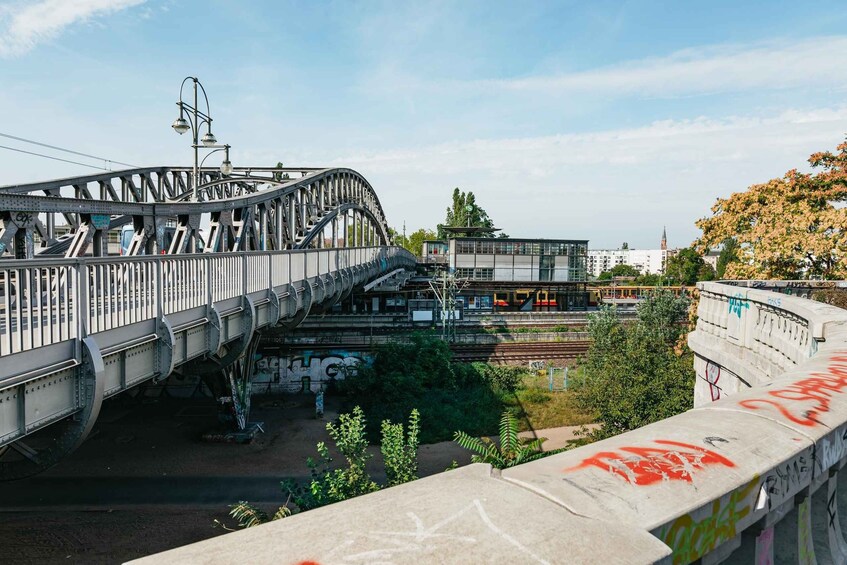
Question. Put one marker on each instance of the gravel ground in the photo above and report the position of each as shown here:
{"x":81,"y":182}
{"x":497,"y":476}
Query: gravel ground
{"x":145,"y":482}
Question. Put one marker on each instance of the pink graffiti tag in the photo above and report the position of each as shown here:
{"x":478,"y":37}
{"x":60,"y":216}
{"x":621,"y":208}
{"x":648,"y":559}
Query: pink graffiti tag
{"x":713,"y":375}
{"x":647,"y":465}
{"x":818,"y":389}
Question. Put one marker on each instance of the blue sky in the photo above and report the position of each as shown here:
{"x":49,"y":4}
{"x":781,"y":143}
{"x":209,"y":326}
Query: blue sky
{"x":597,"y":120}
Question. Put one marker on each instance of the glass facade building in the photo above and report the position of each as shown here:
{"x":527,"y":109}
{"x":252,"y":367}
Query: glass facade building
{"x":519,"y":260}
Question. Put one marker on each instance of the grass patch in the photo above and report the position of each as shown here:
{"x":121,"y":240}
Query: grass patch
{"x":537,"y":409}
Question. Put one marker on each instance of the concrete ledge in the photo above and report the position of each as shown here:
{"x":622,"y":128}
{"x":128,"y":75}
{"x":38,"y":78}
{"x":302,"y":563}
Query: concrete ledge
{"x":460,"y":516}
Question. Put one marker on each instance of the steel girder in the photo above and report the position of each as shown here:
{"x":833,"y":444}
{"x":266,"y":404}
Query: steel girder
{"x":256,"y":209}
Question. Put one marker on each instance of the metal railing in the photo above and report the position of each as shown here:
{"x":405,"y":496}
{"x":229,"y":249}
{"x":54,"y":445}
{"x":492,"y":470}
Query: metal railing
{"x":46,"y":301}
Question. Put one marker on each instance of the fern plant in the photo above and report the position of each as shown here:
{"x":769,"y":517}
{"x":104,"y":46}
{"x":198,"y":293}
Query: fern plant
{"x":248,"y":515}
{"x":512,"y":449}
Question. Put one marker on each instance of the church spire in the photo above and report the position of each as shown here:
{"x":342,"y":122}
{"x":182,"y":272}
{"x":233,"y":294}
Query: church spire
{"x":664,"y":238}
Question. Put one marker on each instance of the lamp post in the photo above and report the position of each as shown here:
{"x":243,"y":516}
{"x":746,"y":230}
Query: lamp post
{"x":196,"y":120}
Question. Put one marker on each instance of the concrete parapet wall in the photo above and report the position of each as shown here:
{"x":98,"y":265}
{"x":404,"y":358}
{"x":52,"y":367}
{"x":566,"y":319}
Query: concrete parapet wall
{"x":749,"y":477}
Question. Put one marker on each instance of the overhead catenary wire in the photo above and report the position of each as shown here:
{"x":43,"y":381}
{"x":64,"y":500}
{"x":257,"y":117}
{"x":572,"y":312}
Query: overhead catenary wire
{"x":54,"y":158}
{"x":24,"y":140}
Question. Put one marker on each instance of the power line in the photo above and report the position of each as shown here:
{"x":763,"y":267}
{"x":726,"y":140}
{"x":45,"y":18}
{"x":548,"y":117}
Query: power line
{"x":54,"y":158}
{"x":65,"y":150}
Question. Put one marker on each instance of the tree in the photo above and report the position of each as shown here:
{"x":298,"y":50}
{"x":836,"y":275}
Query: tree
{"x":687,"y":267}
{"x":465,"y":212}
{"x":729,"y":254}
{"x":789,"y":227}
{"x":636,"y":374}
{"x":414,"y":241}
{"x":512,"y":449}
{"x":279,"y":175}
{"x":621,"y":270}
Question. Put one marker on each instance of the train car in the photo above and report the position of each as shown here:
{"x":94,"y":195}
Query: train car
{"x":629,"y":295}
{"x":526,"y":299}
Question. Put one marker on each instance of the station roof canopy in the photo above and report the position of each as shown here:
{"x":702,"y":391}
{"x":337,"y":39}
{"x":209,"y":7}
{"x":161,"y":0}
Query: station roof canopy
{"x":468,"y":231}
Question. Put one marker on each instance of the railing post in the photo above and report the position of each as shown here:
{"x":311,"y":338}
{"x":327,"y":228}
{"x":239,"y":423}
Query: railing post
{"x":82,"y":309}
{"x":210,"y":299}
{"x":160,"y":307}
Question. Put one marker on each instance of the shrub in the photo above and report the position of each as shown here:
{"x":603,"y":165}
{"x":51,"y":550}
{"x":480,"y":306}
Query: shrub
{"x":420,"y":374}
{"x":400,"y":450}
{"x":501,"y":378}
{"x":334,"y":485}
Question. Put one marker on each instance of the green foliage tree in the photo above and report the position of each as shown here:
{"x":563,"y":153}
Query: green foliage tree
{"x":510,"y":451}
{"x":415,"y":240}
{"x":279,"y":175}
{"x":637,"y":374}
{"x":649,"y":279}
{"x":621,"y":270}
{"x":687,"y":266}
{"x":465,"y":212}
{"x":729,"y":254}
{"x":421,"y":374}
{"x":400,"y":450}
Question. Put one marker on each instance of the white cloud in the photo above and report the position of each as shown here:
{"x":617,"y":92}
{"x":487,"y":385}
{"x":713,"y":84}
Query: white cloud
{"x":611,"y":186}
{"x":25,"y":24}
{"x":728,"y":68}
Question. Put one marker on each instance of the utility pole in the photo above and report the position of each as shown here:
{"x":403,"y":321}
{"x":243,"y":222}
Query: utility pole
{"x":446,"y":288}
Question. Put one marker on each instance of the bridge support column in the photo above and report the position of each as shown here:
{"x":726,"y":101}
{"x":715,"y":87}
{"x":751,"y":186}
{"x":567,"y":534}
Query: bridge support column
{"x":44,"y":448}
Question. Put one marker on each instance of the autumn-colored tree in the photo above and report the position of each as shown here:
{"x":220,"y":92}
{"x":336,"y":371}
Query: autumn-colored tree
{"x":789,"y":227}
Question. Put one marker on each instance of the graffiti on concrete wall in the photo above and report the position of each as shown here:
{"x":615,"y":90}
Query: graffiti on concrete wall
{"x":764,"y":547}
{"x":830,"y":450}
{"x":837,"y":545}
{"x":785,"y":480}
{"x":693,"y":535}
{"x":737,"y":303}
{"x":713,"y":375}
{"x":802,"y":401}
{"x":670,"y":461}
{"x":805,"y":546}
{"x":312,"y":369}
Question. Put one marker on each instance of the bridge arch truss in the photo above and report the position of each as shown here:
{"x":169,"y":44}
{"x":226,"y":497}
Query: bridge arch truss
{"x":78,"y":326}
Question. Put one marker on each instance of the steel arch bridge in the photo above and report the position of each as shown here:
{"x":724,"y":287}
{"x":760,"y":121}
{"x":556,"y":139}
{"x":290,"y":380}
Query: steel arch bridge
{"x":78,"y":325}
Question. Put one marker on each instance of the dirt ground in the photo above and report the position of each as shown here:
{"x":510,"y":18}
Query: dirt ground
{"x":145,"y":481}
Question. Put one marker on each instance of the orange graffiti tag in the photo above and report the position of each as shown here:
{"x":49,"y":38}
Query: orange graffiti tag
{"x":818,"y":388}
{"x":675,"y":461}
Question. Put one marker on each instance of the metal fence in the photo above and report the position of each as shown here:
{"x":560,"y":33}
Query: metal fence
{"x":45,"y":301}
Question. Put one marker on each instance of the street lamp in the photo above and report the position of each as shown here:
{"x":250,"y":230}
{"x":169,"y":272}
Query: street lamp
{"x":196,"y":120}
{"x":226,"y":164}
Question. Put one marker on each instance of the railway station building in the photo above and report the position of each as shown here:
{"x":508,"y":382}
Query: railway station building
{"x":501,"y":274}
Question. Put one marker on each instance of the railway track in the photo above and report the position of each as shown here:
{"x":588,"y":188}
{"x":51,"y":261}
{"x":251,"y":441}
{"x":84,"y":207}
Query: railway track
{"x":514,"y":353}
